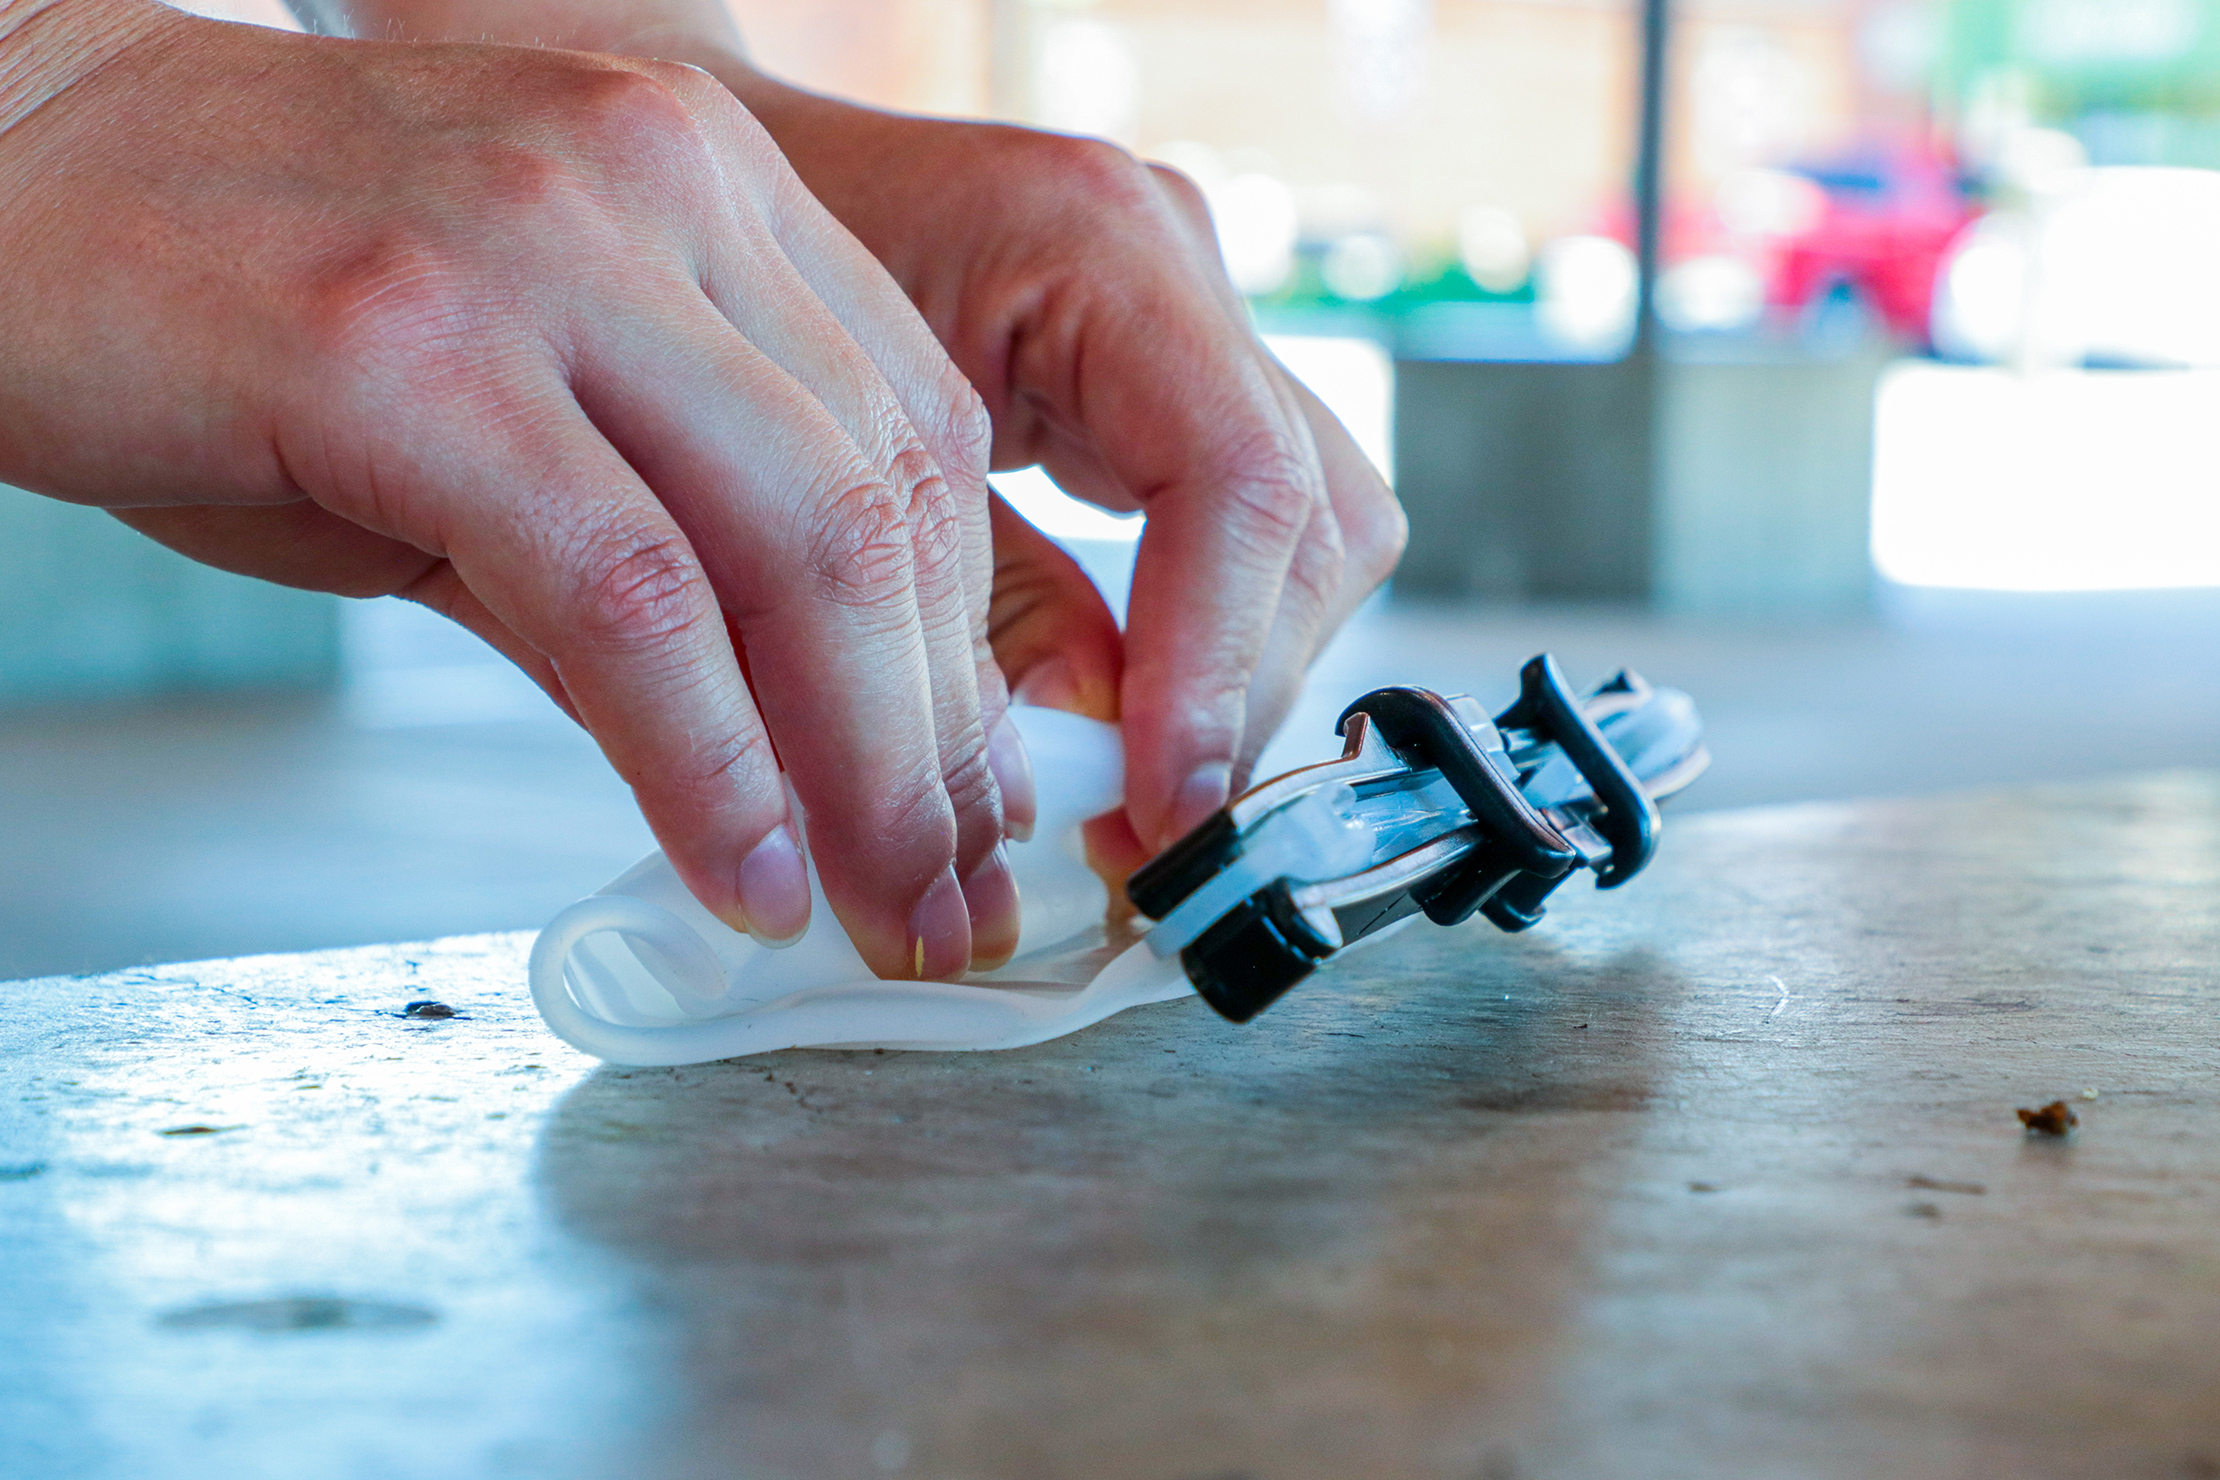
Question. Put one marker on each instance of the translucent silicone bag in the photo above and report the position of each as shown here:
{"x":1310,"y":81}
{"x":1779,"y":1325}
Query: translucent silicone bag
{"x":639,"y":973}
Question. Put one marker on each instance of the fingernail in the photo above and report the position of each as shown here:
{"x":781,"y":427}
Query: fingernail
{"x":1013,"y":772}
{"x":774,"y":890}
{"x":940,"y":931}
{"x":1201,"y":794}
{"x":1049,"y":684}
{"x":991,"y":896}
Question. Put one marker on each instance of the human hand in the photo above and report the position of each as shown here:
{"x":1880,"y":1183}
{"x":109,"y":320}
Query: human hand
{"x":1082,"y":293}
{"x":558,"y":345}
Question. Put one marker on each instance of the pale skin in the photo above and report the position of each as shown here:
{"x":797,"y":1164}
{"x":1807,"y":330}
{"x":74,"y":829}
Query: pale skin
{"x":679,"y":386}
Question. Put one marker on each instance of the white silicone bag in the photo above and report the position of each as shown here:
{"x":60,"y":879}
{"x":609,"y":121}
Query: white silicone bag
{"x":641,"y":974}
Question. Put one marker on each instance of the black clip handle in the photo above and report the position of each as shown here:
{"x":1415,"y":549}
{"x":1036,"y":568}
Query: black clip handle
{"x":1428,"y":734}
{"x":1546,"y":707}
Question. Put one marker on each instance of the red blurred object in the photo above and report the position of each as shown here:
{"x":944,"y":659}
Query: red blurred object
{"x":1874,"y":223}
{"x":1889,"y":218}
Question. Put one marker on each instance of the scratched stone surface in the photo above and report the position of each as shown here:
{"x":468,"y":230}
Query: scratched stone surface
{"x":1718,"y":1176}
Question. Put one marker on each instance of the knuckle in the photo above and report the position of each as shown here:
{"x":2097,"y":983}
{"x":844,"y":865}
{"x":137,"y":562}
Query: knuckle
{"x":858,"y":550}
{"x":393,"y":299}
{"x":1186,"y":196}
{"x":961,"y":422}
{"x":524,"y":178}
{"x":1029,"y":598}
{"x":1177,"y":183}
{"x":1100,"y":171}
{"x":644,"y":591}
{"x":683,"y":79}
{"x":936,"y":517}
{"x":1272,"y":500}
{"x":641,"y":127}
{"x":971,"y":786}
{"x":913,"y":814}
{"x":636,"y":101}
{"x":720,"y":760}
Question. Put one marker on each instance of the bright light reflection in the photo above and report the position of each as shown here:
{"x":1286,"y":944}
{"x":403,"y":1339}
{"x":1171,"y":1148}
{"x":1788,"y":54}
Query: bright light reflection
{"x":1057,"y":514}
{"x":1588,"y":286}
{"x":2071,"y":480}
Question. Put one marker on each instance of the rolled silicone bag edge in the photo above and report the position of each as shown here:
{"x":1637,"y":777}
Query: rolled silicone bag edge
{"x":640,"y":974}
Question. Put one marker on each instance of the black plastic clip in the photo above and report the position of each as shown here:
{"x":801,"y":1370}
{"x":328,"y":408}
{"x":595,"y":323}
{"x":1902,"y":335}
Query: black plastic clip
{"x":1503,"y":863}
{"x":1428,"y":734}
{"x":1547,"y":709}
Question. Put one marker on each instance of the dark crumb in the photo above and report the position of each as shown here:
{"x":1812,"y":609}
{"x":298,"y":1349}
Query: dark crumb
{"x":1938,"y":1184}
{"x":2054,"y":1119}
{"x":197,"y":1130}
{"x":299,"y":1313}
{"x":1703,"y":1187}
{"x":1580,"y":1025}
{"x":427,"y":1009}
{"x":1924,"y":1210}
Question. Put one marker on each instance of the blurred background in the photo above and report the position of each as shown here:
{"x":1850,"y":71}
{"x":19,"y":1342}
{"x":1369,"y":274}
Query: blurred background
{"x":1855,"y":365}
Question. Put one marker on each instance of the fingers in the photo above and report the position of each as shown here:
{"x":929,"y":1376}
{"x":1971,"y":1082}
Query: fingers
{"x":564,"y":546}
{"x":810,"y":541}
{"x":947,"y":536}
{"x":1157,"y":393}
{"x":947,"y":417}
{"x":1297,"y":629}
{"x":816,"y":304}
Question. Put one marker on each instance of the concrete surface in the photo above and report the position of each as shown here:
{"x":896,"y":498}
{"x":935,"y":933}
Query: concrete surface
{"x":1717,"y":1177}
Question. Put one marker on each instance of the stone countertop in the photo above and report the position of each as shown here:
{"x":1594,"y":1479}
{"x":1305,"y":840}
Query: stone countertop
{"x":1718,"y":1177}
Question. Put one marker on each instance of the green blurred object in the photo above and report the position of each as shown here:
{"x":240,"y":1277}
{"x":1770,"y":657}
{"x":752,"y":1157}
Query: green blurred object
{"x":90,"y":609}
{"x":1305,"y":296}
{"x":2138,"y":81}
{"x":1437,"y":312}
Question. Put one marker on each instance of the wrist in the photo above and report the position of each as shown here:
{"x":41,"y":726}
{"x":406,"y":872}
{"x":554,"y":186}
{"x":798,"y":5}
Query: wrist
{"x":47,"y":46}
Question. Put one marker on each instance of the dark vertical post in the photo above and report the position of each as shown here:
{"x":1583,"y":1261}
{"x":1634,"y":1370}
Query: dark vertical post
{"x":1529,"y":481}
{"x":1649,"y":171}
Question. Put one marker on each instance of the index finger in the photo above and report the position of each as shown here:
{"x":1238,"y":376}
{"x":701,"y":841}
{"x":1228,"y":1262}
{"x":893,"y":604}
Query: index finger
{"x":1201,"y":437}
